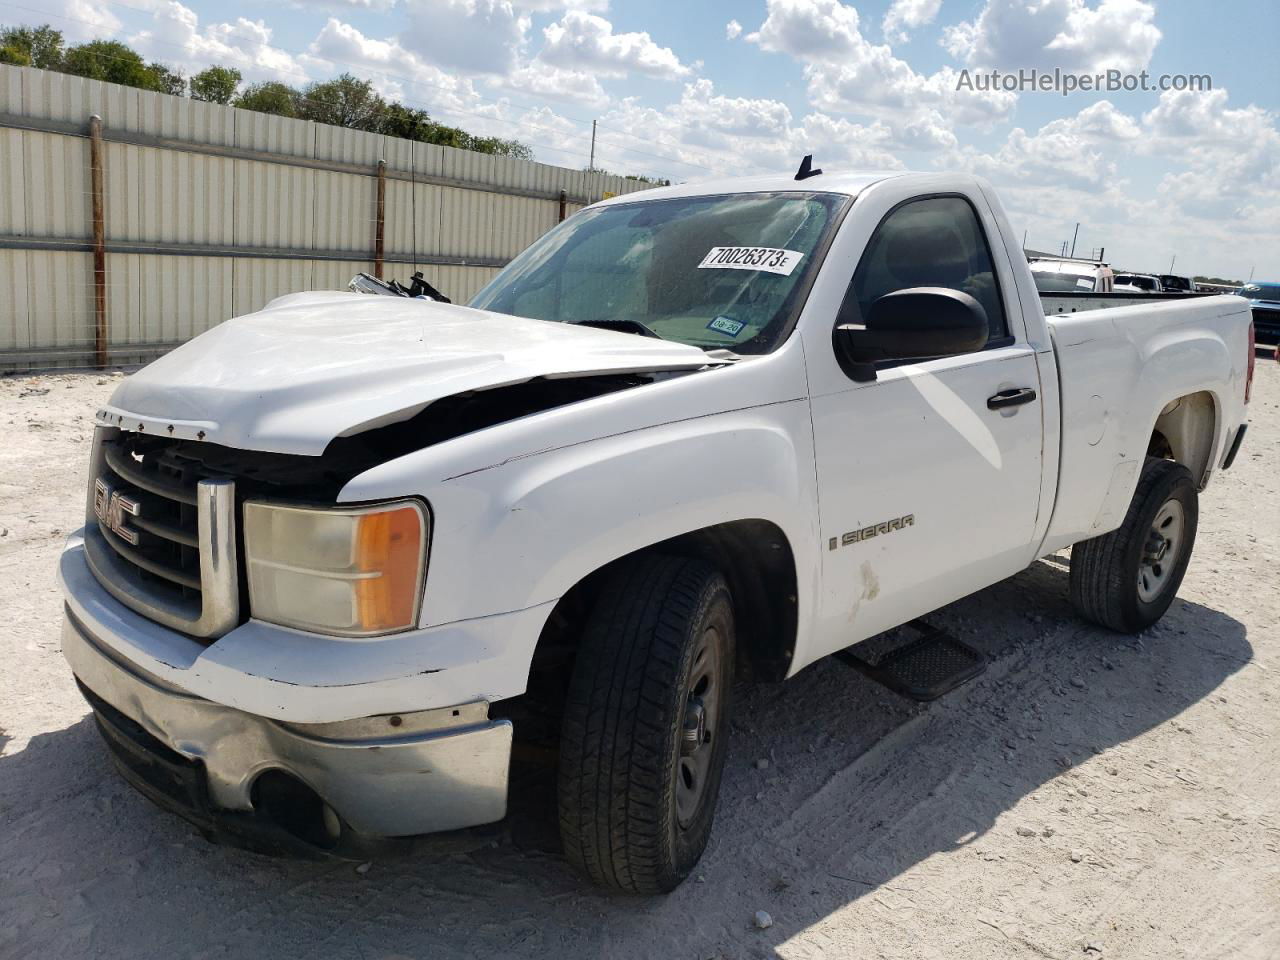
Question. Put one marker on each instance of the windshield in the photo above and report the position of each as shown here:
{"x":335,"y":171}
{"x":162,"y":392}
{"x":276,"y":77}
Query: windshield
{"x":1261,"y":291}
{"x":1061,"y":282}
{"x":712,"y":272}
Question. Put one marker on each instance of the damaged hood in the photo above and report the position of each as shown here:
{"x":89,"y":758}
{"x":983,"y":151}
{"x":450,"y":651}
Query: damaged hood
{"x":313,"y":366}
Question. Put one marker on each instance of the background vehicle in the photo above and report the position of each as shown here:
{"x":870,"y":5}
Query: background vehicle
{"x":1071,"y":276}
{"x":1264,"y":301}
{"x":1137,"y":283}
{"x":337,"y":551}
{"x":1171,"y":283}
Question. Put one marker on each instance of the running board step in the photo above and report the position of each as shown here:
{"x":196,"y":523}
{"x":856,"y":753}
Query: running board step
{"x":924,"y":668}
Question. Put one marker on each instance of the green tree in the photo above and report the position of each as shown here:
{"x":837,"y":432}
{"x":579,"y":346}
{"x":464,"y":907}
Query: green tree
{"x":31,"y":47}
{"x":498,"y":146}
{"x":215,"y":84}
{"x":13,"y":54}
{"x":344,"y":102}
{"x":166,"y":80}
{"x":110,"y":61}
{"x":408,"y":123}
{"x":271,"y":97}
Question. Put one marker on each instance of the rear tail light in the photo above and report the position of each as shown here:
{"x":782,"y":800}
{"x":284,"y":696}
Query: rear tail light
{"x":1253,"y":359}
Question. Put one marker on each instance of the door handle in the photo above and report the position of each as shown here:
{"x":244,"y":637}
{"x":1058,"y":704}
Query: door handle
{"x":1011,"y":398}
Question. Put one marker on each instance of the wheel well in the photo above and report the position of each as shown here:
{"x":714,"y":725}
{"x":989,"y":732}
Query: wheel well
{"x":1184,"y":432}
{"x":759,"y":565}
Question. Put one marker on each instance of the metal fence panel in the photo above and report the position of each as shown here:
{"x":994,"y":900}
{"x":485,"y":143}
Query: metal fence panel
{"x":15,"y":320}
{"x":183,"y":119}
{"x":344,"y":211}
{"x":60,"y":299}
{"x":181,"y":297}
{"x":261,"y":131}
{"x":57,"y":184}
{"x":212,"y":211}
{"x":13,"y":204}
{"x":257,"y":282}
{"x":274,"y":205}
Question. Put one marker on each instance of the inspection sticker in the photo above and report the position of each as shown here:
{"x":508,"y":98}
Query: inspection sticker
{"x":768,"y":259}
{"x":726,"y":325}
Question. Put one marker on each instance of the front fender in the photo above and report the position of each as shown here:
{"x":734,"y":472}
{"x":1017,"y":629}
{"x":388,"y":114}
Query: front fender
{"x":523,"y":532}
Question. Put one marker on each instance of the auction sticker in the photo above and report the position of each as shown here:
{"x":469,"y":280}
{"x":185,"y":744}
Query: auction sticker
{"x":768,"y":259}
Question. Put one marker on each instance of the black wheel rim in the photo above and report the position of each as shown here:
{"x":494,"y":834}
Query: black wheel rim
{"x":700,"y":727}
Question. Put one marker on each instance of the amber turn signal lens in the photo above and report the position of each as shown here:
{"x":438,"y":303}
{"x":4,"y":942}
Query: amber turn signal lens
{"x":388,"y":544}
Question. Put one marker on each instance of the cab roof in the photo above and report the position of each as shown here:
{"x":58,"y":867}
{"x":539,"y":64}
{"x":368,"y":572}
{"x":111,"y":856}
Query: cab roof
{"x":849,"y":183}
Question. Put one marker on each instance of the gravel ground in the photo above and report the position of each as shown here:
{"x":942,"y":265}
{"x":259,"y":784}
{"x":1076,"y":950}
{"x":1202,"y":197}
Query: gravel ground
{"x":1090,"y":795}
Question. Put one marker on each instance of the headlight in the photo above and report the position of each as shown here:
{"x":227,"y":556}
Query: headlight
{"x":354,"y":572}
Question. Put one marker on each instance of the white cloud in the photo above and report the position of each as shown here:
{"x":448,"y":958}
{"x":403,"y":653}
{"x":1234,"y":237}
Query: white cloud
{"x":396,"y":73}
{"x":1099,"y":121}
{"x":1070,"y":34}
{"x":474,"y":36}
{"x":1079,"y":152}
{"x":732,"y":30}
{"x":540,"y":79}
{"x":1231,"y":156}
{"x":79,"y":20}
{"x":809,"y":29}
{"x":584,"y":41}
{"x":847,"y":73}
{"x":903,"y":16}
{"x":551,"y":6}
{"x":1206,"y":116}
{"x":701,"y":109}
{"x":176,"y":37}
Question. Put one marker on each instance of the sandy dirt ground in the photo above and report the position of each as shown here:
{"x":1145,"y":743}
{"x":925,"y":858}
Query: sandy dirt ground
{"x":1090,"y":795}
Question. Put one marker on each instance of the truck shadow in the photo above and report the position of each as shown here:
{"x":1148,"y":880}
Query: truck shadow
{"x":856,"y":786}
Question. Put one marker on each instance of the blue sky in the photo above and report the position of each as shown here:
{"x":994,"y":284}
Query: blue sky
{"x":692,"y":88}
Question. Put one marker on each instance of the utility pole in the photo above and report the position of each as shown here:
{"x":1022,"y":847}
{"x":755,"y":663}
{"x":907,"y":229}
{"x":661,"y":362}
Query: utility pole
{"x":1172,"y":262}
{"x":1073,"y":239}
{"x":1024,"y":241}
{"x":591,"y":164}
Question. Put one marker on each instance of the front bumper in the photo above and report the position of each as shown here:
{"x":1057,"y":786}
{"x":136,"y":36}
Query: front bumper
{"x":379,"y":776}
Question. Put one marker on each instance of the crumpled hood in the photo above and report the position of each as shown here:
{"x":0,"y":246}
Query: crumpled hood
{"x":313,"y":366}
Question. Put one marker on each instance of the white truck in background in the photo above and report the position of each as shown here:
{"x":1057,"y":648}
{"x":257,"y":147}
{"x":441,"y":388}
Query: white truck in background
{"x":339,"y":551}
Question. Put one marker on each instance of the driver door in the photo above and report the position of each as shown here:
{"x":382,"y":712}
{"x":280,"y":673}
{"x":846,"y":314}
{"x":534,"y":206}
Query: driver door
{"x":926,"y":492}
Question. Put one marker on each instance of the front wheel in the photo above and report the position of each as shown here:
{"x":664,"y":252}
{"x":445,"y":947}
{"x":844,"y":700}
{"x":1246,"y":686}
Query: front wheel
{"x":1127,"y":579}
{"x":646,"y":724}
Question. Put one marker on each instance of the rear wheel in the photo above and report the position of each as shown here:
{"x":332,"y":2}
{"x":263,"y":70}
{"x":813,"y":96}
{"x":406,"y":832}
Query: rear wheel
{"x":1127,"y":579}
{"x":646,"y":725}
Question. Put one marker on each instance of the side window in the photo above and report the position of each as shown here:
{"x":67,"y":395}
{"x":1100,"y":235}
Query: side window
{"x":935,"y":242}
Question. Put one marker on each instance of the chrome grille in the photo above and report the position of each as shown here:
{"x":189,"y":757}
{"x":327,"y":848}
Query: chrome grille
{"x":160,"y":533}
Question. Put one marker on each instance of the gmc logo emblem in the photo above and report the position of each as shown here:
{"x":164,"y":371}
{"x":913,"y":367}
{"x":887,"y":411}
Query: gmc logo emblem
{"x":113,"y":509}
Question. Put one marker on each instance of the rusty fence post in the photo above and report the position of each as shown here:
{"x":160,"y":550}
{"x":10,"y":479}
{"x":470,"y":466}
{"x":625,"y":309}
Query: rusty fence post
{"x":99,"y":243}
{"x":380,"y":222}
{"x":563,"y":198}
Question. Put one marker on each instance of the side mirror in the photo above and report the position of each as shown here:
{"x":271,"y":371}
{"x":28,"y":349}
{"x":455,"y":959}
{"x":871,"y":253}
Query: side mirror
{"x":920,"y":322}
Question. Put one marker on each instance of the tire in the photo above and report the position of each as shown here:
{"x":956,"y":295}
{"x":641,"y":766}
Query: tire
{"x":1124,"y":580}
{"x":655,"y":663}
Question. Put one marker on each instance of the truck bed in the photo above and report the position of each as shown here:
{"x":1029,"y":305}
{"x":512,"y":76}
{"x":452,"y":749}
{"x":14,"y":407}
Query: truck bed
{"x":1071,"y":302}
{"x":1116,"y":360}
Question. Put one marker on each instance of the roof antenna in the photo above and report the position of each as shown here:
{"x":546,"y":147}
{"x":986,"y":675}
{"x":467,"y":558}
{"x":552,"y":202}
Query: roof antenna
{"x":806,"y":168}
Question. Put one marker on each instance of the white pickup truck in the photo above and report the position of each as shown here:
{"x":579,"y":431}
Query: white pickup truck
{"x":336,"y":549}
